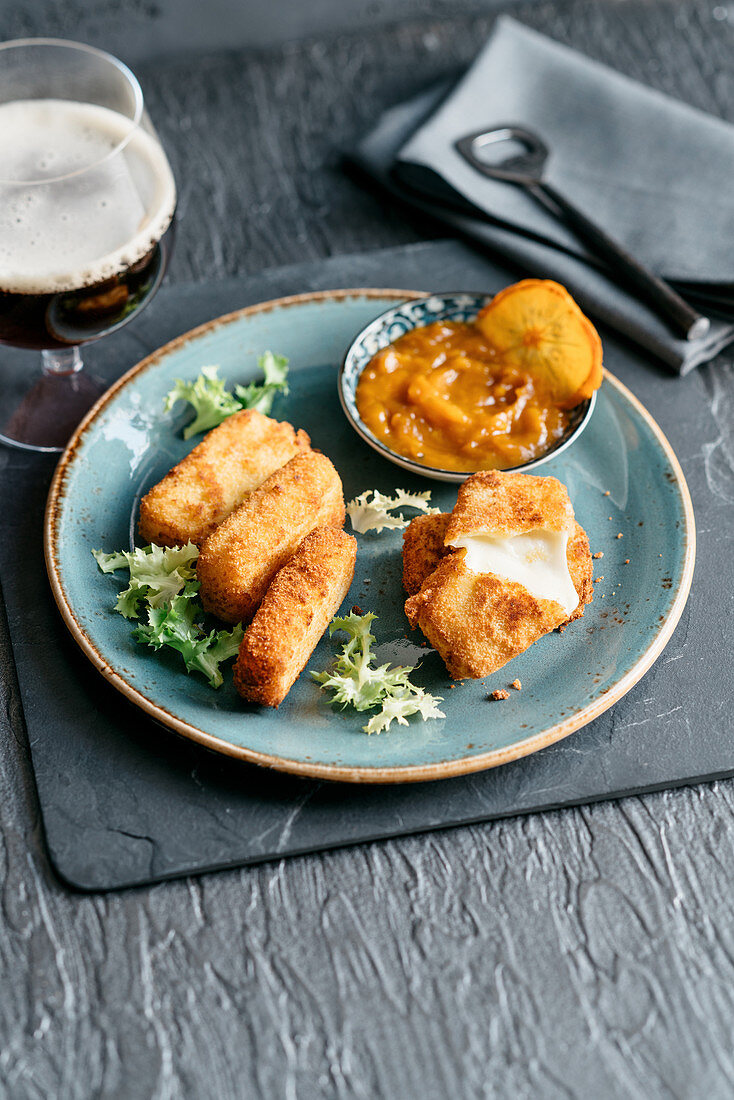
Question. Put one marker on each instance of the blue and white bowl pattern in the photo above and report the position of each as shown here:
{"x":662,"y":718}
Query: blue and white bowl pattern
{"x":389,"y":327}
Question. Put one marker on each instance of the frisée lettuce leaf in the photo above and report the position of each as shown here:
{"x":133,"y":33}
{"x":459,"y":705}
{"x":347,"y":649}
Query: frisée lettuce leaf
{"x":260,"y":395}
{"x":157,"y":574}
{"x":163,"y":590}
{"x":175,"y":626}
{"x":400,"y":704}
{"x":355,"y":681}
{"x":212,"y":402}
{"x":371,"y":510}
{"x":208,"y":397}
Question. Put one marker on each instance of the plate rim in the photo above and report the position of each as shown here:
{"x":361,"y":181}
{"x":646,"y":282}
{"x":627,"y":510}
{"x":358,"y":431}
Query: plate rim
{"x":406,"y":773}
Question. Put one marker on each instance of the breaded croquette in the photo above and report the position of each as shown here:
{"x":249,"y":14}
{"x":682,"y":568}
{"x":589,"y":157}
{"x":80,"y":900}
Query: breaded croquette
{"x":508,"y":504}
{"x":238,"y":561}
{"x":518,"y":566}
{"x":201,"y":491}
{"x":423,"y":548}
{"x":300,"y":603}
{"x":581,"y":568}
{"x":522,"y":527}
{"x":478,"y":621}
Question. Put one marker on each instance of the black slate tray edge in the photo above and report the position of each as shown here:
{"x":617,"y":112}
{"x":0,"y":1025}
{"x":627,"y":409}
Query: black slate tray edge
{"x":196,"y":304}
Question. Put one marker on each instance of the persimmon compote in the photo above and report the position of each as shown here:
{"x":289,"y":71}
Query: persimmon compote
{"x":442,"y":396}
{"x":490,"y":395}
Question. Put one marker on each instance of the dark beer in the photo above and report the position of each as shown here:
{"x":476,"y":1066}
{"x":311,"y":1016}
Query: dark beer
{"x":71,"y":317}
{"x":86,"y":221}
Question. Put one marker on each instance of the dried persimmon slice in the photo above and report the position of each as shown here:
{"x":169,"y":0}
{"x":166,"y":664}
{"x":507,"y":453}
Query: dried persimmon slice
{"x":536,"y":325}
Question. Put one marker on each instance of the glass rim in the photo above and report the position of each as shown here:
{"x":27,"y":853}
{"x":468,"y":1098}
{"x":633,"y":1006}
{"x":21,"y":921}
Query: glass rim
{"x":125,"y":72}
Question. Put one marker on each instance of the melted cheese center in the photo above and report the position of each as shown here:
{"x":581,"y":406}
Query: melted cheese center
{"x":536,"y":560}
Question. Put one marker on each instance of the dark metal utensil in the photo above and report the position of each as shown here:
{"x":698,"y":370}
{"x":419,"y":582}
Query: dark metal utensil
{"x":525,"y":168}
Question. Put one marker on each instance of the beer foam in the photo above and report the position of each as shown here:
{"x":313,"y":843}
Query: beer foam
{"x":90,"y":212}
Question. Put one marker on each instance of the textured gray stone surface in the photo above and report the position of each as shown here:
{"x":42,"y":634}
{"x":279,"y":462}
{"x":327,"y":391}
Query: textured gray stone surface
{"x":141,"y":29}
{"x":579,"y":953}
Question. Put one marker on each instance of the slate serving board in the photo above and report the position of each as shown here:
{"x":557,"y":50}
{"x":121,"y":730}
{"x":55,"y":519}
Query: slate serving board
{"x":126,"y":802}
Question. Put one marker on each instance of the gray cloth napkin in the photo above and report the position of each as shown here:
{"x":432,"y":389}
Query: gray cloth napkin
{"x":653,"y":172}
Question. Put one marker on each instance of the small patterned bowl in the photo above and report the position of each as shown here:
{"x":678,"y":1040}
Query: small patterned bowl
{"x":395,"y":322}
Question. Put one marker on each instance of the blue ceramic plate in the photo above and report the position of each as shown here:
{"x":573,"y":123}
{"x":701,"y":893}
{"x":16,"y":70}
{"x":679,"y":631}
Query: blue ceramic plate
{"x":389,"y":327}
{"x":126,"y":444}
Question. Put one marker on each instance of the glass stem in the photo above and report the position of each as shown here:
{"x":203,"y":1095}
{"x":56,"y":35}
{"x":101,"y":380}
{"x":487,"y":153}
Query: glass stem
{"x":61,"y":361}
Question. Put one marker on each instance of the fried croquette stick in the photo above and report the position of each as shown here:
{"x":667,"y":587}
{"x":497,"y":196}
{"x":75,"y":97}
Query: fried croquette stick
{"x":300,"y":603}
{"x":239,"y":560}
{"x":423,"y":548}
{"x":231,"y":460}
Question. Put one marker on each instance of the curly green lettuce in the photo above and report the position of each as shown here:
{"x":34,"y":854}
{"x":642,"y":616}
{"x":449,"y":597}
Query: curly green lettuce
{"x":260,"y":395}
{"x":176,"y":626}
{"x":212,"y":402}
{"x":355,"y":681}
{"x":163,"y":590}
{"x":157,"y":574}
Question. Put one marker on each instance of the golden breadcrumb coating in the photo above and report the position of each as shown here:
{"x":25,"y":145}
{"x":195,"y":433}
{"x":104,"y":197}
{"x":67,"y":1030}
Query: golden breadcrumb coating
{"x":506,"y":504}
{"x":296,"y":610}
{"x":423,"y":548}
{"x":231,"y":460}
{"x":581,"y":568}
{"x":238,"y":561}
{"x":479,"y":621}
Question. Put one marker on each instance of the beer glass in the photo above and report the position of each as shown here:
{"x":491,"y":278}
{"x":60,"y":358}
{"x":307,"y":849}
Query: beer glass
{"x":87,"y":202}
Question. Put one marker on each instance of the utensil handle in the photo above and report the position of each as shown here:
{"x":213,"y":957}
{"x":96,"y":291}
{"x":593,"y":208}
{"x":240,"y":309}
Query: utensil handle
{"x":682,"y":317}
